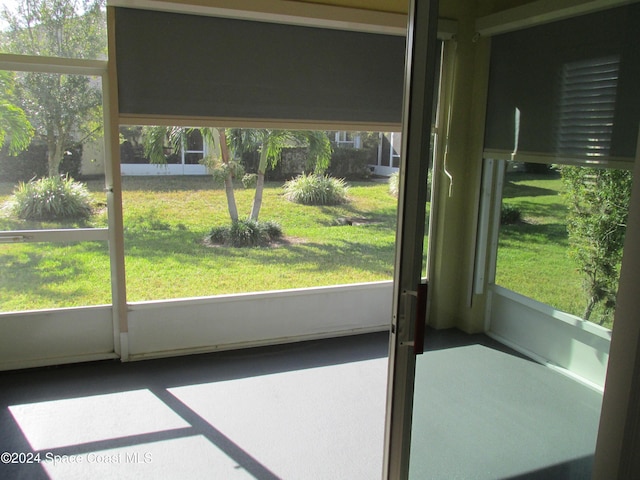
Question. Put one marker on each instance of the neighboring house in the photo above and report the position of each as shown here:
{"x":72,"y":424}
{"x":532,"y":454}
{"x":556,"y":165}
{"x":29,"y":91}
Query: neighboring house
{"x":389,"y":149}
{"x":348,"y":139}
{"x":186,"y":161}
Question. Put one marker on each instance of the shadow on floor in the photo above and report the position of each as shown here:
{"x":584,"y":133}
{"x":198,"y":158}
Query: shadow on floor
{"x":303,"y":410}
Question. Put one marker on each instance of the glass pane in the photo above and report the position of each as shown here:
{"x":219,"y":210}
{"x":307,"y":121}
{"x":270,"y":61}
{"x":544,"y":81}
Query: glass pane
{"x":561,"y":237}
{"x":37,"y":276}
{"x":52,"y":157}
{"x":68,"y":28}
{"x":169,"y":217}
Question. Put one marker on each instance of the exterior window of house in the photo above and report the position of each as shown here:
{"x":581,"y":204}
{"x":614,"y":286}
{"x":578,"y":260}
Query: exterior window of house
{"x":181,"y":151}
{"x":348,"y":139}
{"x":194,"y":148}
{"x":395,"y":144}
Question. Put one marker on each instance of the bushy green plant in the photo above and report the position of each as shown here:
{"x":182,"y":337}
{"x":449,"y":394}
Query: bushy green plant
{"x":316,"y":189}
{"x":32,"y":163}
{"x":250,"y":180}
{"x":51,"y":198}
{"x":352,"y":163}
{"x":220,"y":170}
{"x":246,"y":233}
{"x":509,"y":214}
{"x":598,"y":201}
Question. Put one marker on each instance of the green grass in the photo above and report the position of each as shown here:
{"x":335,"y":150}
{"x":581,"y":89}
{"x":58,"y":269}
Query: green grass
{"x":171,"y":258}
{"x":533,"y":255}
{"x":167,"y":218}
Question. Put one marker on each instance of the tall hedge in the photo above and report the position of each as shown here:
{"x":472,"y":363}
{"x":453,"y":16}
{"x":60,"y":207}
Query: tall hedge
{"x":32,"y":163}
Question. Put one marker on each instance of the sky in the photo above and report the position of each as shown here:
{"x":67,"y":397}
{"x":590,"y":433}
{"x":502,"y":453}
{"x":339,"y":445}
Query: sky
{"x":11,"y":4}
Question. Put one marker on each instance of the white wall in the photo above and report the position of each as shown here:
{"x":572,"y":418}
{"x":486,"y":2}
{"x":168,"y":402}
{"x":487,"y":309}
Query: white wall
{"x":51,"y":337}
{"x":169,"y":169}
{"x":178,"y":327}
{"x":93,"y":158}
{"x":554,"y":338}
{"x":243,"y":320}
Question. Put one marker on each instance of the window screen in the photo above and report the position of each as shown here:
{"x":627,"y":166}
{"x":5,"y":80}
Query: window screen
{"x":568,"y":88}
{"x":187,"y":65}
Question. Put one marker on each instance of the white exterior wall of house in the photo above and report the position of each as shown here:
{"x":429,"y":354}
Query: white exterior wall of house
{"x":93,"y":158}
{"x":386,"y":160}
{"x":146,"y":169}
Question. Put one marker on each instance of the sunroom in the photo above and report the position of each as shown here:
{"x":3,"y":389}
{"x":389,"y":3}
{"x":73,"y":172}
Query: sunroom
{"x":479,"y":90}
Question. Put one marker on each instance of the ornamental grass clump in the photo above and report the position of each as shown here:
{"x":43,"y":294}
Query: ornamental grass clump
{"x":316,"y":189}
{"x":246,"y":233}
{"x":394,"y":180}
{"x":51,"y":198}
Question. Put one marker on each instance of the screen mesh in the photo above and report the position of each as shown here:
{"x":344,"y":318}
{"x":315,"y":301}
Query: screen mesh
{"x":567,"y":88}
{"x":187,"y":65}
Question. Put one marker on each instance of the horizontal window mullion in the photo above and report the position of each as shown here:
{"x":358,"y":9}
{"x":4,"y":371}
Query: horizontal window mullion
{"x":69,"y":66}
{"x":62,"y":235}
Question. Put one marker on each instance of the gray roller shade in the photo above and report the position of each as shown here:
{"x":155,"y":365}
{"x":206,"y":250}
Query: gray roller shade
{"x":574,"y":84}
{"x":187,"y":65}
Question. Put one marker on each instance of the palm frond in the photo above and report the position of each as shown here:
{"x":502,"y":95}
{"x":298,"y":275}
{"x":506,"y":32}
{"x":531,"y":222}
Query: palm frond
{"x":319,"y":149}
{"x":15,"y":125}
{"x":154,"y":139}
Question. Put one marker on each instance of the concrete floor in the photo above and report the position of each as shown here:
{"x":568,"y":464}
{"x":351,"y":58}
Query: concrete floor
{"x":312,"y":410}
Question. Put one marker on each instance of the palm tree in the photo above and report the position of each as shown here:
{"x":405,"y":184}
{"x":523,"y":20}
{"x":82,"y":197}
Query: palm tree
{"x":270,"y":143}
{"x":14,"y":125}
{"x":157,"y":139}
{"x":223,"y":148}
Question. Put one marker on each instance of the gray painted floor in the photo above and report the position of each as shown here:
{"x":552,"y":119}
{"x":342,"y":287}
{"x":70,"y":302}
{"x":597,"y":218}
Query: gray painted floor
{"x":312,"y":410}
{"x":482,"y":413}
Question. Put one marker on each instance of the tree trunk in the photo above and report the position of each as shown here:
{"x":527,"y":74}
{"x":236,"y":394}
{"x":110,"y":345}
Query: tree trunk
{"x":257,"y":199}
{"x":589,"y":310}
{"x":54,"y":155}
{"x":228,"y":182}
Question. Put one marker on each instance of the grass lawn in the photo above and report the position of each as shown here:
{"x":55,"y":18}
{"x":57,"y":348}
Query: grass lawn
{"x":165,"y":225}
{"x":166,"y":219}
{"x":533,"y":256}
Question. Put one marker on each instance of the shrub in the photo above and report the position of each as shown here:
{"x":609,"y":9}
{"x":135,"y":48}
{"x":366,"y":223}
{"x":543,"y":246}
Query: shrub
{"x":597,"y":217}
{"x":352,"y":163}
{"x":32,"y":163}
{"x":250,"y":180}
{"x":220,"y":170}
{"x":509,"y":214}
{"x":316,"y":190}
{"x":246,"y":233}
{"x":51,"y":198}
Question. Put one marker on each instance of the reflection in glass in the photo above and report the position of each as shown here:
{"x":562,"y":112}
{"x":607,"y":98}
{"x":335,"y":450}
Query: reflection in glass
{"x":561,"y":237}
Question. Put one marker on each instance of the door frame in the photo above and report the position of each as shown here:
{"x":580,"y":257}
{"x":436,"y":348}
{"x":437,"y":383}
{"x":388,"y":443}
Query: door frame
{"x":419,"y":105}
